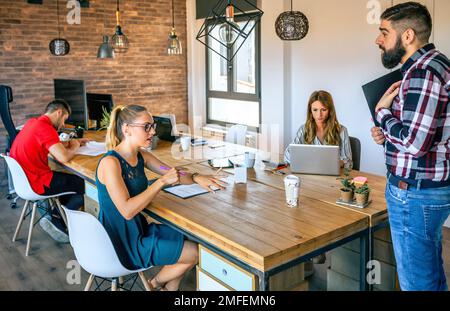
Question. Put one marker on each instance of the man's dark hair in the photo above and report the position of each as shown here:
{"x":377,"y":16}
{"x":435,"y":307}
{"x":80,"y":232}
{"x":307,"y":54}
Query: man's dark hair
{"x":58,"y":104}
{"x":410,"y":15}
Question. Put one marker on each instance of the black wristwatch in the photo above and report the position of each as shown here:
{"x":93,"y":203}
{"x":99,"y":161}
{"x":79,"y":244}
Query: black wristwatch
{"x":193,"y":176}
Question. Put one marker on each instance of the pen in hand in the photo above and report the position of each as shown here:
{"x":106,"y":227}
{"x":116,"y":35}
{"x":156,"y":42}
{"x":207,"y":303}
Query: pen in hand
{"x":165,"y":168}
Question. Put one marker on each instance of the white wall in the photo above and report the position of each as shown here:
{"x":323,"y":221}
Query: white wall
{"x":338,"y":55}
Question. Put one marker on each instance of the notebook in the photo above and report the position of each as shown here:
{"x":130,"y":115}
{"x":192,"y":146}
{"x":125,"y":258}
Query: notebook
{"x":187,"y":191}
{"x":373,"y":91}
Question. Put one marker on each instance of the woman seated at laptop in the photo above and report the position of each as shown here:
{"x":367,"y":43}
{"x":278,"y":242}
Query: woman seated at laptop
{"x":323,"y":128}
{"x":124,"y":191}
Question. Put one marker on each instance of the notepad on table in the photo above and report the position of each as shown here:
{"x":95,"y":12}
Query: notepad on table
{"x":92,"y":148}
{"x":187,"y":191}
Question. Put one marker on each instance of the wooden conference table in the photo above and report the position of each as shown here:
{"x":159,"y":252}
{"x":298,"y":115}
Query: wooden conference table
{"x":248,"y":237}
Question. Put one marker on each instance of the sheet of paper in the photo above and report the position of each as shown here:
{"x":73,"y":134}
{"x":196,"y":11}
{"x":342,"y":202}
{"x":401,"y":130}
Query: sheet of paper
{"x":92,"y":148}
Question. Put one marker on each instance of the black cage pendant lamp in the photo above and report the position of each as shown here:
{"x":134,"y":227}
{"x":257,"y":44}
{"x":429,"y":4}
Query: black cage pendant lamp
{"x":59,"y":46}
{"x":173,"y":42}
{"x":119,"y":40}
{"x":221,"y":32}
{"x":292,"y":25}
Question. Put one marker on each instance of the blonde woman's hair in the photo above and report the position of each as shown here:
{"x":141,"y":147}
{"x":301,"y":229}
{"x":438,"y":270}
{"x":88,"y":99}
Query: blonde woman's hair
{"x":119,"y":116}
{"x":332,"y":126}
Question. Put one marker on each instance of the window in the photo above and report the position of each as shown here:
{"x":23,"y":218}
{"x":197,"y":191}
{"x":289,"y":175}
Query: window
{"x":233,"y":89}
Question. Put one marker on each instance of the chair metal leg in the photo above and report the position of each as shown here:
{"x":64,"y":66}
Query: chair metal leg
{"x":30,"y":230}
{"x":89,"y":283}
{"x":22,"y":216}
{"x":144,"y":281}
{"x":121,"y":279}
{"x":61,"y":211}
{"x":114,"y":284}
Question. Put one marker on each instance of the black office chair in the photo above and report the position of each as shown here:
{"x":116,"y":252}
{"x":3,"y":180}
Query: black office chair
{"x":355,"y":145}
{"x":6,"y":97}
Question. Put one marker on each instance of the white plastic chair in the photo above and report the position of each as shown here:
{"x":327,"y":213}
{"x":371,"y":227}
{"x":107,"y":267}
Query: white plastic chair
{"x":25,"y":192}
{"x":236,"y":134}
{"x":94,"y":250}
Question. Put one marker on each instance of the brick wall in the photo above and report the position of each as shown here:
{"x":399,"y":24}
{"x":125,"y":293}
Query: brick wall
{"x":145,"y":75}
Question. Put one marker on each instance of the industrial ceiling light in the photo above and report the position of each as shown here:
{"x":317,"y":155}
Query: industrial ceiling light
{"x":120,"y":42}
{"x":105,"y":50}
{"x":59,"y":46}
{"x":292,"y":25}
{"x":173,"y":42}
{"x":228,"y":32}
{"x":222,"y":34}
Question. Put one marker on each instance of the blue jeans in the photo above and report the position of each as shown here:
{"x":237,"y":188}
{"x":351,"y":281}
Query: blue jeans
{"x":416,"y":218}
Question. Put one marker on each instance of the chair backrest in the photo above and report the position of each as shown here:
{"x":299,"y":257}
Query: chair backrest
{"x":355,"y":145}
{"x":236,"y":134}
{"x":20,"y":180}
{"x":92,"y":246}
{"x":5,"y":114}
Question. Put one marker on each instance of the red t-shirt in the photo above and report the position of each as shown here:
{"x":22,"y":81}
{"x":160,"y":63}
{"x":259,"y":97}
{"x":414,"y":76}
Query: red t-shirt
{"x":30,"y":149}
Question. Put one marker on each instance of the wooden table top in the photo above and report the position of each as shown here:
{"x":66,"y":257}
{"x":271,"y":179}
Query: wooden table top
{"x":324,"y":188}
{"x":250,"y":221}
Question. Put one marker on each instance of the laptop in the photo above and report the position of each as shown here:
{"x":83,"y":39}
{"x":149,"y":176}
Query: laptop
{"x":315,"y":159}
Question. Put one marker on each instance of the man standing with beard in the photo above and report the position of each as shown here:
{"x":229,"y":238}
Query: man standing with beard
{"x":30,"y":149}
{"x":415,"y":127}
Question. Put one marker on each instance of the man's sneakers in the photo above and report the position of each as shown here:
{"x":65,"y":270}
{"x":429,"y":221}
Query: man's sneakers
{"x":55,"y":228}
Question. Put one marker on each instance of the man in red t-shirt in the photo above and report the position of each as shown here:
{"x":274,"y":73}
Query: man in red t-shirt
{"x":35,"y":141}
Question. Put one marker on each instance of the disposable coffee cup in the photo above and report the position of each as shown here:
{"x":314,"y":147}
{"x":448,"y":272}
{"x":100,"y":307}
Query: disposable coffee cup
{"x":240,"y":174}
{"x":185,"y":142}
{"x":292,"y":188}
{"x":249,"y":159}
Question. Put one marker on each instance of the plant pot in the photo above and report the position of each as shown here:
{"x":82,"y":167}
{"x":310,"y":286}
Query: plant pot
{"x":347,"y":196}
{"x":361,"y":199}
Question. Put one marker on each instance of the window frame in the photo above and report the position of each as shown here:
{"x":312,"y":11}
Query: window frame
{"x":231,"y":74}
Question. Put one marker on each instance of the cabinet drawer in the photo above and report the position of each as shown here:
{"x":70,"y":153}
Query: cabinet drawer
{"x":91,"y":191}
{"x":206,"y":282}
{"x":225,"y":271}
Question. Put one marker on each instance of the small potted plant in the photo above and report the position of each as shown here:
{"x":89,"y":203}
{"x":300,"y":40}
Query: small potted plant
{"x":362,"y":194}
{"x":347,"y":187}
{"x":104,"y":122}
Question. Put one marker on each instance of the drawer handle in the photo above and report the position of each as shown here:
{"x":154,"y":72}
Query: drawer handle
{"x":224,"y":272}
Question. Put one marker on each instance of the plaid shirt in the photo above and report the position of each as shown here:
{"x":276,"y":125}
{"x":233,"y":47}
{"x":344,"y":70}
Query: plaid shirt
{"x":417,"y":127}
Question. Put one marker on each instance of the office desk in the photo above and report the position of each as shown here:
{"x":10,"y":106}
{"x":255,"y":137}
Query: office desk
{"x":198,"y":154}
{"x":324,"y":188}
{"x":246,"y":232}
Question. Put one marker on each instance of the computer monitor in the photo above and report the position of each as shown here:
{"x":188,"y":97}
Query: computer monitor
{"x":164,"y":128}
{"x":74,"y":92}
{"x":96,"y":103}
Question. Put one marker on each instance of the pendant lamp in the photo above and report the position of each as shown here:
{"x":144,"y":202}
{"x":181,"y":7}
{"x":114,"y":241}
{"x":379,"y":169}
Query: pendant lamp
{"x":59,"y":46}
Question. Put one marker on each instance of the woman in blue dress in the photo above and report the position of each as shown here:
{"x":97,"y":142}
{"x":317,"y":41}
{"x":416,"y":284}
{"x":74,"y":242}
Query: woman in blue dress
{"x":124,"y":192}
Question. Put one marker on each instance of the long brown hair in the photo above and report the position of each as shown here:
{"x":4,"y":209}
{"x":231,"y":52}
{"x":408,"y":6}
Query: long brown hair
{"x":332,"y":127}
{"x":120,"y":116}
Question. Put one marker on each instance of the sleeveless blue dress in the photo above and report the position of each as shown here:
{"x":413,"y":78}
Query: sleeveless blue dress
{"x":137,"y":244}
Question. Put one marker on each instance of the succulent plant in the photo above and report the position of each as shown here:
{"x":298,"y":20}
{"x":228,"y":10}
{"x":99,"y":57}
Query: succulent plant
{"x":347,"y":181}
